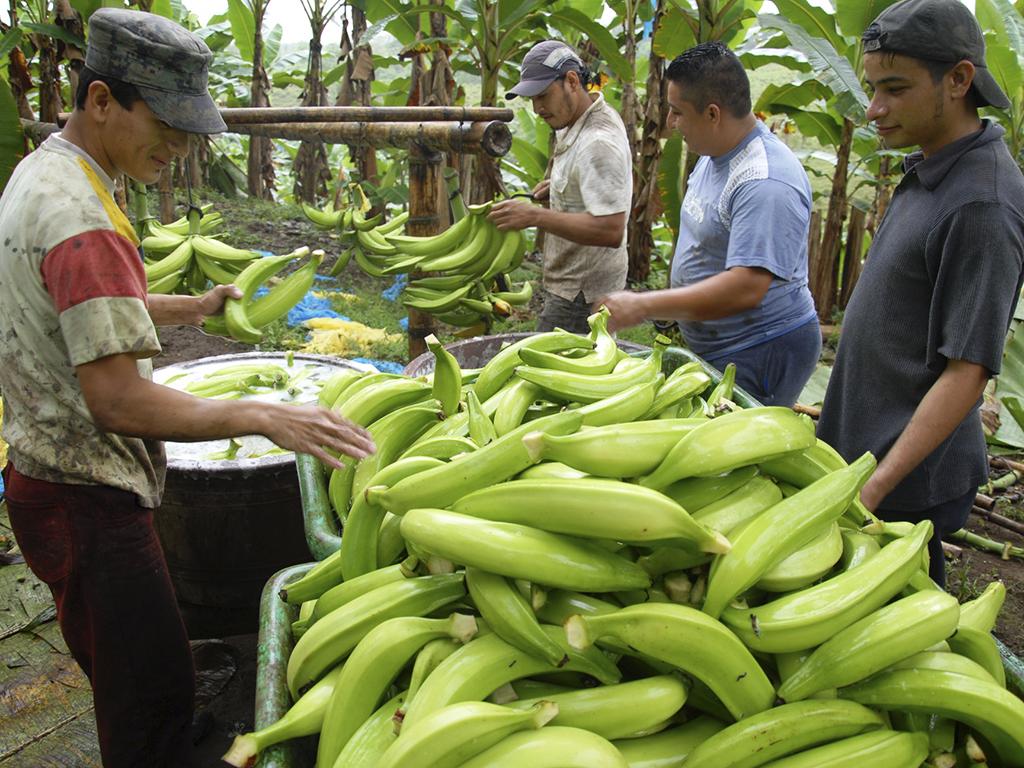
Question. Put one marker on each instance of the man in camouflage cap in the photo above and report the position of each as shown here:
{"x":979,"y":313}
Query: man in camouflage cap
{"x":166,"y":63}
{"x":83,"y":418}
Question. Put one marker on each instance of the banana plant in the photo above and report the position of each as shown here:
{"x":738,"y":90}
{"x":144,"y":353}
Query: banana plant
{"x":494,"y":36}
{"x":12,"y":144}
{"x":246,"y":19}
{"x":1004,"y":42}
{"x":828,"y":104}
{"x":312,"y":174}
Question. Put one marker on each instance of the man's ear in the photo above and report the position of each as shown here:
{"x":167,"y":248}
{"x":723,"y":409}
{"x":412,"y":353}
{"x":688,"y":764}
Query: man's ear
{"x":960,"y":78}
{"x":99,"y":100}
{"x":714,"y":112}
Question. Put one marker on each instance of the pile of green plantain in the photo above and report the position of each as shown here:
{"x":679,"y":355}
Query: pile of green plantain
{"x":185,"y":256}
{"x":566,"y":558}
{"x":463,"y":273}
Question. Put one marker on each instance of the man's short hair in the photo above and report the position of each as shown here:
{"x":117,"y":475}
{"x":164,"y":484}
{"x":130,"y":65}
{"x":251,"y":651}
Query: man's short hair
{"x":124,"y":93}
{"x":712,"y":74}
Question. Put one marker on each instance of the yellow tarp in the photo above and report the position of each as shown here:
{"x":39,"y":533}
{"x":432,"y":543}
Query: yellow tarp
{"x":345,"y":338}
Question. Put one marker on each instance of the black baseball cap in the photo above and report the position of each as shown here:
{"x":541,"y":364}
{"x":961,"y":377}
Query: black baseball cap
{"x":542,"y":65}
{"x":936,"y":30}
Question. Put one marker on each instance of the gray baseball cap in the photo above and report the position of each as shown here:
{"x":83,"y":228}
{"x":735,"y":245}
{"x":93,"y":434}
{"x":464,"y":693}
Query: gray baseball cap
{"x":164,"y":61}
{"x":936,"y":30}
{"x":542,"y":65}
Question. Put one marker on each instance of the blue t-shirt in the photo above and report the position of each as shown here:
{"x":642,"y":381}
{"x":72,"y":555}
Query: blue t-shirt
{"x":750,"y":207}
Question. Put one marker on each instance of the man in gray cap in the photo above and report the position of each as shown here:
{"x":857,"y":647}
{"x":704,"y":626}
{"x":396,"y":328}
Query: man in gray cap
{"x":83,"y":418}
{"x":926,"y":324}
{"x":589,"y":191}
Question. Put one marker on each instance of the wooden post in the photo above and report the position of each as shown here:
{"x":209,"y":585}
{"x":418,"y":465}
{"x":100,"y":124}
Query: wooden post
{"x":426,"y":217}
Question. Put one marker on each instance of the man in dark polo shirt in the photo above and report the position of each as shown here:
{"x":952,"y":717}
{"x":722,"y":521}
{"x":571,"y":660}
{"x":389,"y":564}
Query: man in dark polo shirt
{"x":925,"y":327}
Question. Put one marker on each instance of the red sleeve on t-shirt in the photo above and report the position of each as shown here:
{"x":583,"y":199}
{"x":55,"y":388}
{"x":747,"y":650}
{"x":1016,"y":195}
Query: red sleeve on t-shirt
{"x":91,"y":265}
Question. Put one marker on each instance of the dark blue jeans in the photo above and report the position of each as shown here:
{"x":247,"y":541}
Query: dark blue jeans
{"x":947,"y":517}
{"x":774,"y":373}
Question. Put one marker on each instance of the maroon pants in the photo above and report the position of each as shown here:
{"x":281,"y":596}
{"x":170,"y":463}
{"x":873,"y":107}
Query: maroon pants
{"x":96,"y":550}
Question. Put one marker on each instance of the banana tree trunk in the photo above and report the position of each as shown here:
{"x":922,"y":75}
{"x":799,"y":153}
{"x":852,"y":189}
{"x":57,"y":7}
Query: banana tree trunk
{"x":311,"y":172}
{"x":356,"y":90}
{"x":647,"y":154}
{"x":68,"y":18}
{"x":823,"y":272}
{"x":481,"y":175}
{"x":261,"y":153}
{"x":883,"y":194}
{"x":50,"y":103}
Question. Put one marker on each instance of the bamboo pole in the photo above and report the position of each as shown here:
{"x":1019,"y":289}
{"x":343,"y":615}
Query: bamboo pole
{"x":37,"y":131}
{"x":1000,"y":520}
{"x":494,"y":138}
{"x":255,"y":115}
{"x":250,"y":116}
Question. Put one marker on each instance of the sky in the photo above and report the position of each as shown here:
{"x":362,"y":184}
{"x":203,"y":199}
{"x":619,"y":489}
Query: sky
{"x":287,"y":13}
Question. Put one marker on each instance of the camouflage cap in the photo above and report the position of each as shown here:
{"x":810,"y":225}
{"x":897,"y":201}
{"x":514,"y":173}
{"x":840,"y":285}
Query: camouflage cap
{"x":164,"y":61}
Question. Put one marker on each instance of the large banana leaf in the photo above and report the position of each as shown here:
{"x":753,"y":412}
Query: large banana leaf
{"x":815,"y":21}
{"x":673,"y":34}
{"x":601,"y":38}
{"x":834,"y":69}
{"x":670,"y":171}
{"x":10,"y":39}
{"x":1010,"y":382}
{"x":57,"y":33}
{"x":790,"y":95}
{"x":820,"y":125}
{"x":854,"y":16}
{"x":759,"y":57}
{"x":1004,"y":64}
{"x":1002,"y":18}
{"x":815,"y":388}
{"x":12,"y":144}
{"x":243,"y":28}
{"x":163,"y":8}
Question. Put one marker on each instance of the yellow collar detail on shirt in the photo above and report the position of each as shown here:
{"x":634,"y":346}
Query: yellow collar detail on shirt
{"x":117,"y":218}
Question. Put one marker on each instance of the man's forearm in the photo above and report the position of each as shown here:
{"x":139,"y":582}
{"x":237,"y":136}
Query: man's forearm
{"x":722,"y":295}
{"x":170,"y":309}
{"x":583,"y":228}
{"x":938,"y":414}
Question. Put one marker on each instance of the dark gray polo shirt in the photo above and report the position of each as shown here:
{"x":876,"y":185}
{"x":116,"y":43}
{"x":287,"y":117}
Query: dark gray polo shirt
{"x":940,"y":283}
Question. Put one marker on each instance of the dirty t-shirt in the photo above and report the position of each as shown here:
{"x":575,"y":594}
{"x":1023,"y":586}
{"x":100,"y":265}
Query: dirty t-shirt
{"x":591,"y":172}
{"x":72,"y":290}
{"x":750,"y":207}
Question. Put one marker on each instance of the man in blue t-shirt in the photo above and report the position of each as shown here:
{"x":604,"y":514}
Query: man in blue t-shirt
{"x":739,"y":275}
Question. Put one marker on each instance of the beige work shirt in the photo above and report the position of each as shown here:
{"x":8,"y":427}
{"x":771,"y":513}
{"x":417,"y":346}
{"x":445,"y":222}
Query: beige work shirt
{"x":591,"y":173}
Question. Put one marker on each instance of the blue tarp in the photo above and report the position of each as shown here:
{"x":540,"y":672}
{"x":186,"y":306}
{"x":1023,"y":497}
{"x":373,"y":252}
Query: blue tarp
{"x":309,"y":306}
{"x":384,"y":366}
{"x":391,"y":293}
